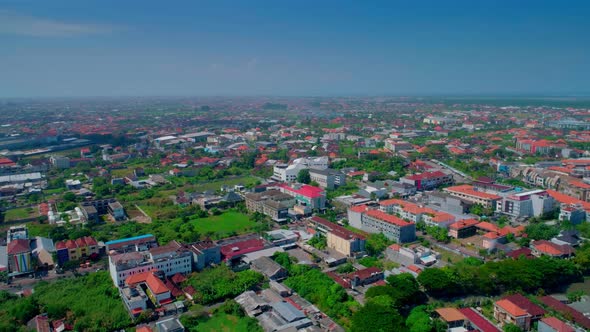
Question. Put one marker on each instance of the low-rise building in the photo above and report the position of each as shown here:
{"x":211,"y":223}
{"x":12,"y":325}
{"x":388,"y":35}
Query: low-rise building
{"x":377,"y":221}
{"x":548,"y":248}
{"x":412,"y":255}
{"x":463,"y":228}
{"x":205,"y":253}
{"x":171,"y":259}
{"x":305,"y":195}
{"x":71,"y":250}
{"x":428,"y":180}
{"x":327,"y":178}
{"x":339,"y":238}
{"x":269,"y":268}
{"x":469,"y":193}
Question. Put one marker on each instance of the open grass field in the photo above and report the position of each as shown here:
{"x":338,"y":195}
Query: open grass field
{"x":222,"y":322}
{"x":224,"y":223}
{"x":20,"y":213}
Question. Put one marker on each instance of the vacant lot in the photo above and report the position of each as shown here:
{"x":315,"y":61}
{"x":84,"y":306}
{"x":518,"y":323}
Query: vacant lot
{"x":224,"y":223}
{"x":222,"y":322}
{"x":20,"y":213}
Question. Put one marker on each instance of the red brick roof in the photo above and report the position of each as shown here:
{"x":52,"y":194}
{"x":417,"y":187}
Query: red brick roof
{"x":388,"y":218}
{"x":18,"y":246}
{"x":478,"y":320}
{"x":525,"y":304}
{"x":577,"y":317}
{"x":511,"y":308}
{"x":469,"y":190}
{"x":241,"y":248}
{"x":557,"y":325}
{"x":464,"y":224}
{"x":364,"y":273}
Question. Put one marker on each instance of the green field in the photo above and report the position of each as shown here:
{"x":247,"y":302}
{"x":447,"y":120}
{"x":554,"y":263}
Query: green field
{"x":20,"y":213}
{"x":224,"y":223}
{"x":222,"y":322}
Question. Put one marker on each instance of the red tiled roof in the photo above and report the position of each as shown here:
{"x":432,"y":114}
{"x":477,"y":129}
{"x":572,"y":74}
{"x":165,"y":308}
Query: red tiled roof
{"x":525,"y":304}
{"x":144,"y":329}
{"x":415,"y":269}
{"x":526,"y":252}
{"x":425,"y":175}
{"x":336,"y":229}
{"x":359,"y":208}
{"x":557,"y":325}
{"x":511,"y":308}
{"x":305,"y":190}
{"x":577,"y":317}
{"x":486,"y":226}
{"x":464,"y":224}
{"x":18,"y":246}
{"x":156,"y":285}
{"x":552,"y":249}
{"x":469,"y":190}
{"x":240,"y":248}
{"x":388,"y":218}
{"x":563,"y":198}
{"x":364,"y":273}
{"x":478,"y":320}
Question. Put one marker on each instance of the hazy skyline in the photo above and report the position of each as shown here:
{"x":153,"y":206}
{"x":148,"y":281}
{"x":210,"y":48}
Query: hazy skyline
{"x":142,"y":48}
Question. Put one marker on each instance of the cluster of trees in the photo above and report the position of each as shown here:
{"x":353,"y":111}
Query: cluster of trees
{"x":318,"y":288}
{"x":376,"y":243}
{"x":82,"y":301}
{"x":374,"y":163}
{"x":472,"y":277}
{"x":214,"y":284}
{"x":387,"y":305}
{"x":319,"y":242}
{"x":440,"y":234}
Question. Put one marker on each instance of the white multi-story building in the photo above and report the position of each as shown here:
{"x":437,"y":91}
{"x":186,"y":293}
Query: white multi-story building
{"x":171,"y":259}
{"x":288,"y":173}
{"x":533,"y":203}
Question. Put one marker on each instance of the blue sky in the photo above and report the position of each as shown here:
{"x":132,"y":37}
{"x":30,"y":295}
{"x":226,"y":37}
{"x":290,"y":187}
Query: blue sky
{"x":250,"y":47}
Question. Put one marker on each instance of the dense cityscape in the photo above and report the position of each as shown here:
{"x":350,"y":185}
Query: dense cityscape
{"x":294,"y":166}
{"x":302,"y":214}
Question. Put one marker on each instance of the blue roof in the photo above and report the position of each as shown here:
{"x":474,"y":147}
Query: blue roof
{"x":139,"y":237}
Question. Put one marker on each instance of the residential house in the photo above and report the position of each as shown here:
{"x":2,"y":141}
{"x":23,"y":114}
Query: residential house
{"x":477,"y":322}
{"x":452,"y":317}
{"x":518,"y":310}
{"x":548,"y":248}
{"x":19,"y":257}
{"x":269,"y":268}
{"x":552,"y":324}
{"x":72,"y":250}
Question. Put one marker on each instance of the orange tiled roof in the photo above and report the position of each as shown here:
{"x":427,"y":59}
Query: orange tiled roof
{"x":511,"y":308}
{"x":469,"y":190}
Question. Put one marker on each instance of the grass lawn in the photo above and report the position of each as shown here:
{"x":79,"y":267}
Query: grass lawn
{"x":224,"y":223}
{"x":580,"y":286}
{"x":222,"y":322}
{"x":20,"y":213}
{"x":36,"y":229}
{"x":447,"y":256}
